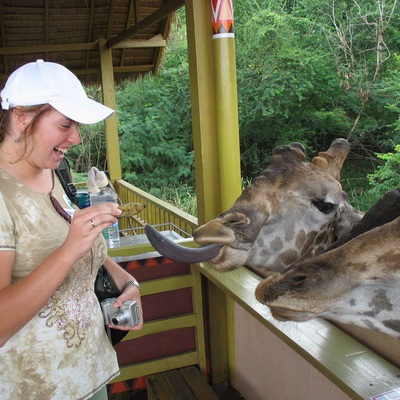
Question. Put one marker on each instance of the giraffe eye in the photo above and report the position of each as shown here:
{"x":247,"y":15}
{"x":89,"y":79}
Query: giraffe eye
{"x":298,"y":278}
{"x":324,"y":207}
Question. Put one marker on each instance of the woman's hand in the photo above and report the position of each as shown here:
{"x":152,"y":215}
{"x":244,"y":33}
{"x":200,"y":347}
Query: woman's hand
{"x":130,"y":293}
{"x":87,"y":224}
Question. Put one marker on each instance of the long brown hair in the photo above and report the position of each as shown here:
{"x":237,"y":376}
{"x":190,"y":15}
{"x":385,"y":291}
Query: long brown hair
{"x":5,"y":124}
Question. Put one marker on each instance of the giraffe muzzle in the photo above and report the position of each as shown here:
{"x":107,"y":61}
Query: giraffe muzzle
{"x":179,"y":253}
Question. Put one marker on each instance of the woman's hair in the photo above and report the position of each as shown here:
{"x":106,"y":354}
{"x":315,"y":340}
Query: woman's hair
{"x":5,"y":123}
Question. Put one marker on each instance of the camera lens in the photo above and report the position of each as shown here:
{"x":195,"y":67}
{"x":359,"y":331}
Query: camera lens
{"x":119,"y":318}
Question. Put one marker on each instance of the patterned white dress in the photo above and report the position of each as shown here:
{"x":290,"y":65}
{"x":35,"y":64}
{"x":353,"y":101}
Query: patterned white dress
{"x":63,"y":352}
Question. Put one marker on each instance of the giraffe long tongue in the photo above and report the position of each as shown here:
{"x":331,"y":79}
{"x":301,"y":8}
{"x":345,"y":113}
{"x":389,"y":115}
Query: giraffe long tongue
{"x":175,"y":252}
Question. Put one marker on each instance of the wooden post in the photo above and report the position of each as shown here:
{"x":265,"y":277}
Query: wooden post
{"x":226,"y":103}
{"x":204,"y":110}
{"x":111,"y":124}
{"x":228,"y":134}
{"x":216,"y":144}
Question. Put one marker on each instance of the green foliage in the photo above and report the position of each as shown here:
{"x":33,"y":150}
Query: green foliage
{"x":155,"y":126}
{"x":354,"y":180}
{"x":376,"y":178}
{"x":389,"y":95}
{"x":92,"y":149}
{"x":182,"y":197}
{"x":297,"y":81}
{"x":284,"y":67}
{"x":386,"y":176}
{"x":152,"y":154}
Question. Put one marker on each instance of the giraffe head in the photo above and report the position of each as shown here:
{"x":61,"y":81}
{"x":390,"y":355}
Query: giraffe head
{"x":356,"y":283}
{"x":294,"y":209}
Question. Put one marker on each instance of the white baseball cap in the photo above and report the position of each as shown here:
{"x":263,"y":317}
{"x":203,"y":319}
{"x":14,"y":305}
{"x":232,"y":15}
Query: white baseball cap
{"x":43,"y":82}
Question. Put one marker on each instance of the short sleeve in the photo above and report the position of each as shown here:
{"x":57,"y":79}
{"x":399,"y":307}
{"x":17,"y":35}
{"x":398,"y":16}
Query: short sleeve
{"x":7,"y":239}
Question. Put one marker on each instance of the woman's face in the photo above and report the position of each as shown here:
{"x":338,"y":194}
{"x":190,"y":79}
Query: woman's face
{"x":53,"y":135}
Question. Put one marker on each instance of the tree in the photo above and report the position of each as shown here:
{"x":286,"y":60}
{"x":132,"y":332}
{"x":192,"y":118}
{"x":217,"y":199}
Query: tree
{"x":154,"y":120}
{"x":287,"y":86}
{"x":360,"y":42}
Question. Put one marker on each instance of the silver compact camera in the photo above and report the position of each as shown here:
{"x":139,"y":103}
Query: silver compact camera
{"x":126,"y":315}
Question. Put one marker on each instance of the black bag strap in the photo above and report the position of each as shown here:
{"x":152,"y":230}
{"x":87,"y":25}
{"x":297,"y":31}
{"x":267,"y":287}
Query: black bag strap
{"x":65,"y":176}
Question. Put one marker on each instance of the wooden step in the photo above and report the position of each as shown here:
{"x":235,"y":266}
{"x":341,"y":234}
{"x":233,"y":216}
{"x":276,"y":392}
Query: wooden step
{"x":179,"y":384}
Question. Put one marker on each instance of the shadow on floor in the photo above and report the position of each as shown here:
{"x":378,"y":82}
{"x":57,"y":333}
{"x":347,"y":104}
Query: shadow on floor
{"x":225,"y":391}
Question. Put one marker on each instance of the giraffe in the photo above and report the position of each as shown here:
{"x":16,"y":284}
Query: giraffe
{"x":294,"y":209}
{"x":355,"y":283}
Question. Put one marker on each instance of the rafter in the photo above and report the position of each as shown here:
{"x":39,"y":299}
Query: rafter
{"x":90,"y":31}
{"x":3,"y":36}
{"x":156,"y":41}
{"x":69,"y":32}
{"x":127,"y":25}
{"x":157,"y":16}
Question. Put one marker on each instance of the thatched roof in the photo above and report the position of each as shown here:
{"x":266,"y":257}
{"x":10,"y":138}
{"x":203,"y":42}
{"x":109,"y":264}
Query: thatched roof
{"x":69,"y":32}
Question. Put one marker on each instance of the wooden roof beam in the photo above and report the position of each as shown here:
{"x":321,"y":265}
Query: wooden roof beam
{"x":3,"y":36}
{"x":128,"y":21}
{"x":137,"y":11}
{"x":95,"y":71}
{"x":159,"y":51}
{"x":157,"y":16}
{"x":49,"y":48}
{"x":90,"y":31}
{"x":46,"y":24}
{"x":110,"y":18}
{"x":156,"y":41}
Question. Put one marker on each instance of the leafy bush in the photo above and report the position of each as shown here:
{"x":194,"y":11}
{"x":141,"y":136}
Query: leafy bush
{"x":152,"y":152}
{"x":92,"y":149}
{"x":386,"y":176}
{"x":155,"y":131}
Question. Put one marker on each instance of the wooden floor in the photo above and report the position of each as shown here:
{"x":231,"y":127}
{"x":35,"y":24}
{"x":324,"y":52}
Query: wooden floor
{"x":224,"y":392}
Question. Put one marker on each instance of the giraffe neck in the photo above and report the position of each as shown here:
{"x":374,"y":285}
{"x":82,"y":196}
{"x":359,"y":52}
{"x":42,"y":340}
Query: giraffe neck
{"x":375,"y":307}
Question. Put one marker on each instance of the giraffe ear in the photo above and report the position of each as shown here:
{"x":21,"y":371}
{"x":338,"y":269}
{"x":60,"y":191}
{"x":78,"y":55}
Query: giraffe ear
{"x":333,"y":159}
{"x":288,"y":154}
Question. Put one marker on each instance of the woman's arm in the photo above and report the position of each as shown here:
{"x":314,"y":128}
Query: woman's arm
{"x":21,"y":301}
{"x":129,"y":292}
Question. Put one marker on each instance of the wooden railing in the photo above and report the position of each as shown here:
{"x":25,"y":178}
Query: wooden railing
{"x":156,"y":211}
{"x":159,"y":282}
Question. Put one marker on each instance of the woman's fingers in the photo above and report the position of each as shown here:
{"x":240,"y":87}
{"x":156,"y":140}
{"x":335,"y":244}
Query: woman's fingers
{"x":88,"y":223}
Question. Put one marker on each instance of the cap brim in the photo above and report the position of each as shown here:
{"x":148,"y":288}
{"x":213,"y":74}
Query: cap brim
{"x":84,"y":111}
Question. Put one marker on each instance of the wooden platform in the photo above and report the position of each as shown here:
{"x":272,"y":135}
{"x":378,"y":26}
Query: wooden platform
{"x":181,"y":384}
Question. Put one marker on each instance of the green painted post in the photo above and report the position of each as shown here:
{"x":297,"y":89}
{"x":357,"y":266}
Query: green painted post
{"x":228,"y":142}
{"x":226,"y":101}
{"x":111,"y":124}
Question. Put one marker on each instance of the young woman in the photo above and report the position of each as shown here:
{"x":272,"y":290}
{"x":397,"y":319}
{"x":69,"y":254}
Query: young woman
{"x":53,"y":343}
